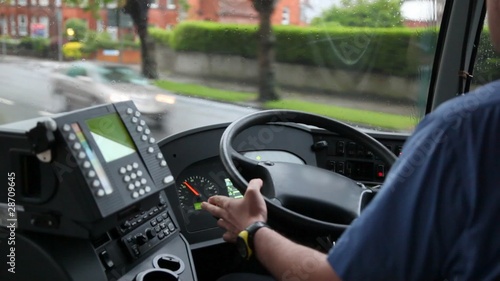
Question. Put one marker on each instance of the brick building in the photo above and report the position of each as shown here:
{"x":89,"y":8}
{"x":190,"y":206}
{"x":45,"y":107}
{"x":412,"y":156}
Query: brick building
{"x":21,"y":18}
{"x":286,"y":12}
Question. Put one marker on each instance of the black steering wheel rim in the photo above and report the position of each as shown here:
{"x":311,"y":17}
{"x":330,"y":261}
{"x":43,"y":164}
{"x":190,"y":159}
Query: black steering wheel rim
{"x":228,"y":154}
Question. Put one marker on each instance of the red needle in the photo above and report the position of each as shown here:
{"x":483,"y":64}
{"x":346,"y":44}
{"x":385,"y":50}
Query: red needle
{"x":193,"y":190}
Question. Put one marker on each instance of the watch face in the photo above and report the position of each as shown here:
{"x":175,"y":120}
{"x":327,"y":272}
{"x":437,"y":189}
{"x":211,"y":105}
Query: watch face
{"x":242,"y":247}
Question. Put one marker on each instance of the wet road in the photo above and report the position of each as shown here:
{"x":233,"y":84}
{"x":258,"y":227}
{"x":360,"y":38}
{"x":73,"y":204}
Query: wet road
{"x":26,"y":92}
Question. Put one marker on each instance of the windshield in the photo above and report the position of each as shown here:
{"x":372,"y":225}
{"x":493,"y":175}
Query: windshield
{"x":364,"y":62}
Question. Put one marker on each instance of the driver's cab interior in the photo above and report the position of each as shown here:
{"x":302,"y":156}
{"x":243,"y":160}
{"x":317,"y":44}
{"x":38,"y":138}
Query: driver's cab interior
{"x":94,"y":194}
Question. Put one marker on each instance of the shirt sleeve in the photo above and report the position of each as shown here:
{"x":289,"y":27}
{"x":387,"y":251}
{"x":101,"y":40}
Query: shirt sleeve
{"x":400,"y":236}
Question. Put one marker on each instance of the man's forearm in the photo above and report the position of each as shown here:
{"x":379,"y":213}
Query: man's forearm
{"x":288,"y":261}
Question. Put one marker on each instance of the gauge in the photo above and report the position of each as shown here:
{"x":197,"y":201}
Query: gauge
{"x":194,"y":190}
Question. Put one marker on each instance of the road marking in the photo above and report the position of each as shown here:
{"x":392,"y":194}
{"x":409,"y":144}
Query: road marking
{"x":6,"y":101}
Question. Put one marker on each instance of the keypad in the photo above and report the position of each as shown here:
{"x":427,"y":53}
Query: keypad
{"x":135,"y":182}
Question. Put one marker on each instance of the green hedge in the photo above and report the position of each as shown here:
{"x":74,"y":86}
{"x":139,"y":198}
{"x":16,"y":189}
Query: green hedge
{"x":160,"y":36}
{"x":394,"y":51}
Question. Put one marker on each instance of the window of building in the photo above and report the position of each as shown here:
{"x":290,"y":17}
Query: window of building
{"x":171,"y":4}
{"x":22,"y":2}
{"x":45,"y":21}
{"x":285,"y":16}
{"x":13,"y":25}
{"x":3,"y":25}
{"x":22,"y":22}
{"x":154,"y":4}
{"x":43,"y":2}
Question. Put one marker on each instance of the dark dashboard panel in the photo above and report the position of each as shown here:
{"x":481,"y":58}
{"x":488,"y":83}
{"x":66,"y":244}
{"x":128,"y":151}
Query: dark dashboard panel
{"x":194,"y":160}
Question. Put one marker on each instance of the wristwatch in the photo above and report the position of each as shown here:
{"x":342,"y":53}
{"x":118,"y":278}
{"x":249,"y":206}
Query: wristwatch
{"x":244,"y":242}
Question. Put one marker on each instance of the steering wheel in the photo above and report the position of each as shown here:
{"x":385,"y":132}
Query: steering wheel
{"x":294,"y":192}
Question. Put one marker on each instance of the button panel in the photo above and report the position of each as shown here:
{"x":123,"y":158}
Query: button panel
{"x":156,"y":226}
{"x":91,"y":167}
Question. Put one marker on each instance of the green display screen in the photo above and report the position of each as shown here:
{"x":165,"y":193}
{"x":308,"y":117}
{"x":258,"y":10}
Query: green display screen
{"x":111,"y":136}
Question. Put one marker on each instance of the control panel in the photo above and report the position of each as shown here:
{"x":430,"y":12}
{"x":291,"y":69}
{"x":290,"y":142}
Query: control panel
{"x":352,"y":159}
{"x":119,"y":159}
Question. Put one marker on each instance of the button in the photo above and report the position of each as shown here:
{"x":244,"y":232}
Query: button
{"x":126,"y":178}
{"x":161,"y":236}
{"x":139,"y":129}
{"x":123,"y":170}
{"x":340,"y":147}
{"x":144,"y":138}
{"x":159,"y":219}
{"x":129,"y":168}
{"x":159,"y":155}
{"x":137,"y":184}
{"x":130,"y":110}
{"x":96,"y":183}
{"x":139,"y":173}
{"x":157,"y":228}
{"x":153,"y":223}
{"x":163,"y":225}
{"x":142,"y":122}
{"x":166,"y":232}
{"x":137,"y":114}
{"x":168,"y":179}
{"x":147,"y":131}
{"x":134,"y":120}
{"x":147,"y":189}
{"x":143,"y":181}
{"x":141,"y":191}
{"x":130,"y":186}
{"x":77,"y":146}
{"x":91,"y":174}
{"x":100,"y":193}
{"x":135,"y":165}
{"x":72,"y":137}
{"x":86,"y":164}
{"x":135,"y":194}
{"x":164,"y":215}
{"x":163,"y":163}
{"x":66,"y":128}
{"x":171,"y":226}
{"x":81,"y":155}
{"x":133,"y":176}
{"x":151,"y":150}
{"x":152,"y":140}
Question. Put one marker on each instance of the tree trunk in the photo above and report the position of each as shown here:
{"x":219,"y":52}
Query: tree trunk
{"x":138,"y":11}
{"x":266,"y":56}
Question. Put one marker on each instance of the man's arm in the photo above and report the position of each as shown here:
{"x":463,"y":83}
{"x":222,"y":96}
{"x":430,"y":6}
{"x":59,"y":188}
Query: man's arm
{"x":285,"y":259}
{"x":289,"y":261}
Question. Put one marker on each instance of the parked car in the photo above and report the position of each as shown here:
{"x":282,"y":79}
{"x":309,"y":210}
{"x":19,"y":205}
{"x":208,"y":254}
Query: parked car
{"x":85,"y":84}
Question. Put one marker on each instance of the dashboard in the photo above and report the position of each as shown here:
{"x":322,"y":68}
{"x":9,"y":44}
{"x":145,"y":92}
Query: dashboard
{"x":199,"y":173}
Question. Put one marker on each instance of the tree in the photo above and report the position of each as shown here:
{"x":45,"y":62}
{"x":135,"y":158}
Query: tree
{"x":138,"y":11}
{"x":78,"y":29}
{"x":362,"y":13}
{"x":267,"y":89}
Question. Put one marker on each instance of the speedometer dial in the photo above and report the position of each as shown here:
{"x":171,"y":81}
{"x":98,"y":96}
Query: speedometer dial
{"x":194,"y":190}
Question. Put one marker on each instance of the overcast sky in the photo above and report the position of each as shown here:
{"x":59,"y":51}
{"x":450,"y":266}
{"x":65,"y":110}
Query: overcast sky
{"x":413,"y":10}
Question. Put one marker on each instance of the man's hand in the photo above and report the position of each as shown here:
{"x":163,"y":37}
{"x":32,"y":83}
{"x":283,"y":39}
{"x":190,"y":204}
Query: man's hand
{"x":237,"y":214}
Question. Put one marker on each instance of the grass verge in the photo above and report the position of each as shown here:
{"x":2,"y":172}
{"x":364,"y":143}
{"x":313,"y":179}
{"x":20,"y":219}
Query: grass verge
{"x":205,"y":92}
{"x":350,"y":115}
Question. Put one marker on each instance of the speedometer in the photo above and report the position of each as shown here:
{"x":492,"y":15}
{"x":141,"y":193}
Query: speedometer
{"x":193,"y":190}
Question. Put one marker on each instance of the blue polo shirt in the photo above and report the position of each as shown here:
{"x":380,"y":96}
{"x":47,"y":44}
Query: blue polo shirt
{"x":438,"y":213}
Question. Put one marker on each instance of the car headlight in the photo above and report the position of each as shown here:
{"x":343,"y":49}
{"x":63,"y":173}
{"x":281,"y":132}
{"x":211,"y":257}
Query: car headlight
{"x":118,"y":98}
{"x":165,"y":99}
